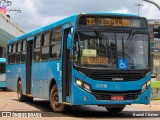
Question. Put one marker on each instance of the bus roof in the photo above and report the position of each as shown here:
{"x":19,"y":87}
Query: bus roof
{"x":63,"y":21}
{"x":2,"y":60}
{"x":111,"y":13}
{"x":55,"y":24}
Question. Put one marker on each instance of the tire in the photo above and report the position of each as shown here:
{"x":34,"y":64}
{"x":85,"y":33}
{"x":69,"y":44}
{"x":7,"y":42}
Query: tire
{"x":21,"y":97}
{"x":115,"y":110}
{"x":53,"y":98}
{"x":29,"y":99}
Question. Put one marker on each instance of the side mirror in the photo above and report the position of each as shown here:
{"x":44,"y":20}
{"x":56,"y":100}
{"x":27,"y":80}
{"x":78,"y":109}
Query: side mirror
{"x":69,"y":41}
{"x":72,"y":30}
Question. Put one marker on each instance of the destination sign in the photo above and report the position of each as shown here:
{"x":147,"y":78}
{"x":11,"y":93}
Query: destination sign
{"x":113,"y":21}
{"x":109,"y":22}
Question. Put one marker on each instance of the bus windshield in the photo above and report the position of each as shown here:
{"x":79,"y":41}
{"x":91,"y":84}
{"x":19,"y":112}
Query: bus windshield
{"x":2,"y":68}
{"x":105,"y":49}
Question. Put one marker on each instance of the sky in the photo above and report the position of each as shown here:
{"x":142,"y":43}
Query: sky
{"x":38,"y":13}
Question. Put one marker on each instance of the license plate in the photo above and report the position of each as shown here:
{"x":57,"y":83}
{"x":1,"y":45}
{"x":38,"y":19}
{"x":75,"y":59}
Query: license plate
{"x":117,"y":97}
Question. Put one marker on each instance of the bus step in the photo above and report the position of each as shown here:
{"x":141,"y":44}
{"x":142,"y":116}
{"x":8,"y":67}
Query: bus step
{"x":66,"y":103}
{"x":29,"y":95}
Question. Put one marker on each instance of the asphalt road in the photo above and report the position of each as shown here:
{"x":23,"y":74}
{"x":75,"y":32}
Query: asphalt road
{"x":9,"y":102}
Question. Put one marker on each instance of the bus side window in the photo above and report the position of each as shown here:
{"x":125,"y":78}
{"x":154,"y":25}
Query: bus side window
{"x":9,"y":53}
{"x":9,"y":49}
{"x":37,"y":45}
{"x":19,"y":47}
{"x":18,"y":54}
{"x":16,"y":44}
{"x":13,"y":53}
{"x":45,"y":46}
{"x":23,"y":53}
{"x":55,"y":46}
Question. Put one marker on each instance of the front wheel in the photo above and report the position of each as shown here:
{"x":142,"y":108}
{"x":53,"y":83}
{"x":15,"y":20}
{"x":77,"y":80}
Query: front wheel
{"x":54,"y":102}
{"x":21,"y":97}
{"x":115,"y":110}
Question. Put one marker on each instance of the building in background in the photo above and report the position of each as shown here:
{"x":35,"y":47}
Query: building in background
{"x":155,"y":50}
{"x":8,"y":30}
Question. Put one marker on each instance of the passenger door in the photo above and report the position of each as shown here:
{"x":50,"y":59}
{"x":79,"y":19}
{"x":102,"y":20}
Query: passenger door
{"x":66,"y":68}
{"x":29,"y":64}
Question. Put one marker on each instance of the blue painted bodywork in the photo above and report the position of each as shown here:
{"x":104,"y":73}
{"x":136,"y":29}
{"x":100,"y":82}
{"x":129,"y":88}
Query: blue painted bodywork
{"x":78,"y":94}
{"x":44,"y":71}
{"x":111,"y":13}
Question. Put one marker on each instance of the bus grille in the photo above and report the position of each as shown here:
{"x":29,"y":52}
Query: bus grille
{"x":110,"y":76}
{"x":130,"y":95}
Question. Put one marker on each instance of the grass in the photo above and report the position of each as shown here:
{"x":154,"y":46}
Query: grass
{"x":158,"y":98}
{"x":155,"y":84}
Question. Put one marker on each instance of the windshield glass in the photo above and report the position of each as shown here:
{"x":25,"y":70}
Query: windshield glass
{"x":113,"y":51}
{"x":2,"y":68}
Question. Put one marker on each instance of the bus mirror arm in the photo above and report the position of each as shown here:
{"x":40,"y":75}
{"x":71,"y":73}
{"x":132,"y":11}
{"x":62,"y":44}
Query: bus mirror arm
{"x":69,"y":41}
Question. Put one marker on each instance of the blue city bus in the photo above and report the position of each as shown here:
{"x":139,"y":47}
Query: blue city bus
{"x":86,"y":59}
{"x":3,"y":73}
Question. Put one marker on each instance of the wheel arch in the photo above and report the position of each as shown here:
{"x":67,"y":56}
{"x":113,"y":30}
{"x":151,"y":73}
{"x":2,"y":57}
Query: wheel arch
{"x":19,"y":79}
{"x":52,"y":82}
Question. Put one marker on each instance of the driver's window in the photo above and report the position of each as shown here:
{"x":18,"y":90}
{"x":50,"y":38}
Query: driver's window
{"x":108,"y":46}
{"x":76,"y":48}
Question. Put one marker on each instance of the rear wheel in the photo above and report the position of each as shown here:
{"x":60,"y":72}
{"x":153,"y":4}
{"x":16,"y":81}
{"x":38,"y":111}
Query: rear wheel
{"x":54,"y":102}
{"x":21,"y":97}
{"x":115,"y":110}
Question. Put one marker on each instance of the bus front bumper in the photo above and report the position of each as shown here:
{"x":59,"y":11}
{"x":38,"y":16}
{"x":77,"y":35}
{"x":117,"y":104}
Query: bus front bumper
{"x":82,"y":97}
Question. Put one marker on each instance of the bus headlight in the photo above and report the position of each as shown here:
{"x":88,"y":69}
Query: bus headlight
{"x":83,"y":85}
{"x":87,"y":87}
{"x":79,"y":83}
{"x":146,"y":85}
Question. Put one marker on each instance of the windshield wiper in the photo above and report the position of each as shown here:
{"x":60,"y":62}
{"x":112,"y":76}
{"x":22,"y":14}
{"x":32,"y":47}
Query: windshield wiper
{"x":98,"y":34}
{"x":129,"y":39}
